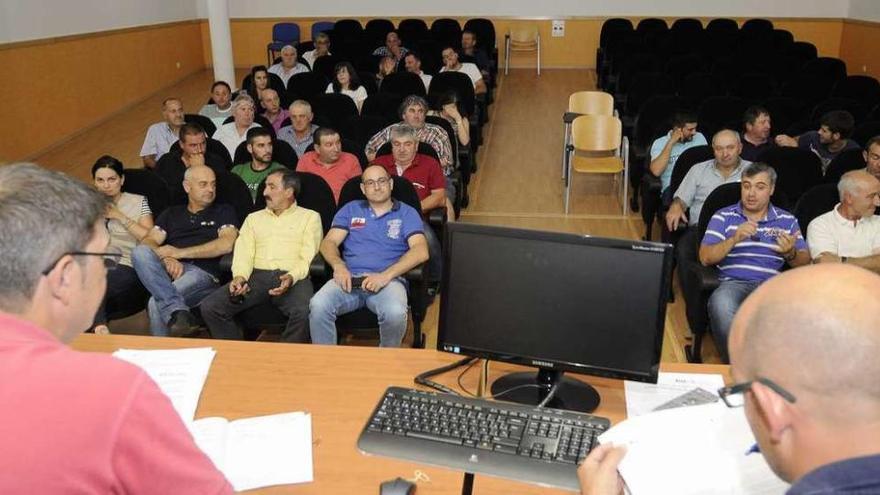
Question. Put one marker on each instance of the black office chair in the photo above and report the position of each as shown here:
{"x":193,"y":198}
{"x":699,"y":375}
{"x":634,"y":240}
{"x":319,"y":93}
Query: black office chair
{"x":857,"y":109}
{"x":417,"y":295}
{"x":752,"y":26}
{"x":784,"y":111}
{"x":356,"y":149}
{"x":865,"y":131}
{"x":282,"y":153}
{"x":326,"y":66}
{"x":148,"y":184}
{"x":403,"y":83}
{"x":698,"y":86}
{"x":385,"y":106}
{"x":205,"y":123}
{"x":360,"y":129}
{"x":411,"y":31}
{"x":232,"y":190}
{"x":754,"y":86}
{"x":817,"y":201}
{"x":315,"y":195}
{"x":463,"y":87}
{"x":810,"y":89}
{"x":846,"y":161}
{"x":485,"y":33}
{"x":375,"y":32}
{"x":653,"y":119}
{"x":797,"y":171}
{"x":305,"y":86}
{"x":334,"y":108}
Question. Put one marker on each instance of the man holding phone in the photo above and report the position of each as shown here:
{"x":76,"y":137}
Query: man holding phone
{"x":667,"y":148}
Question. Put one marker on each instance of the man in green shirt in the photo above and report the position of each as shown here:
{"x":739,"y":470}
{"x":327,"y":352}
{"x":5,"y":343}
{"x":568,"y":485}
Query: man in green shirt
{"x":259,"y":145}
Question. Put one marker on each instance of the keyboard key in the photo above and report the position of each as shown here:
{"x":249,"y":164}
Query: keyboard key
{"x":436,"y":438}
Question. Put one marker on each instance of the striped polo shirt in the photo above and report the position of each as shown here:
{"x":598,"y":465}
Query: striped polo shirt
{"x":753,"y":259}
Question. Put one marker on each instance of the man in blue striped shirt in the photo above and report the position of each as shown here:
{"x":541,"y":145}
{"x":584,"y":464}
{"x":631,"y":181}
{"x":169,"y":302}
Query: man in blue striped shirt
{"x":749,"y":241}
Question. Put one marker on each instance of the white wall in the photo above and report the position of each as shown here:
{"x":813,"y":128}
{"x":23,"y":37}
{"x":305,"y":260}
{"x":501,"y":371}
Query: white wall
{"x":866,"y":10}
{"x":22,"y":20}
{"x":536,"y":9}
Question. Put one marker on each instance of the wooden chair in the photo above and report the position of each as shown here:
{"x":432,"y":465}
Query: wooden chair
{"x":522,"y":39}
{"x":598,"y":147}
{"x":583,"y":103}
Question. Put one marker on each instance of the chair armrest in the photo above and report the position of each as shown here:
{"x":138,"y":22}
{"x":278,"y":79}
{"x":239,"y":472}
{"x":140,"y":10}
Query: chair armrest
{"x":437,"y":217}
{"x":706,"y":277}
{"x":318,"y":267}
{"x":226,"y":263}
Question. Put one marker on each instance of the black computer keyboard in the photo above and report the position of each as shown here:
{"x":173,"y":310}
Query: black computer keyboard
{"x":526,"y":443}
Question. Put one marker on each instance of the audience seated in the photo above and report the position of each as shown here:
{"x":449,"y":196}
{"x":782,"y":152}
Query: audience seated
{"x":299,"y":133}
{"x":348,"y":83}
{"x":178,"y":262}
{"x":479,"y":56}
{"x":413,"y":111}
{"x":128,"y":219}
{"x":161,"y":135}
{"x":288,"y":65}
{"x":872,"y":156}
{"x":666,"y":149}
{"x":193,"y":153}
{"x":449,"y":110}
{"x":75,"y":421}
{"x":329,"y":162}
{"x":413,"y":63}
{"x":259,"y":145}
{"x":322,"y":47}
{"x":221,"y":107}
{"x":849,"y":233}
{"x":380,"y":240}
{"x":235,"y":132}
{"x":749,"y":242}
{"x":827,"y":142}
{"x":258,"y":84}
{"x":426,"y":177}
{"x":392,"y":48}
{"x":272,"y":108}
{"x":756,"y":133}
{"x":270,"y":263}
{"x":452,"y":64}
{"x":803,"y":351}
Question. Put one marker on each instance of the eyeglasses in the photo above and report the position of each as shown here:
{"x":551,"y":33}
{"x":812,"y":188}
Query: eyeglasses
{"x":111,"y":258}
{"x":734,"y":395}
{"x":377,"y":182}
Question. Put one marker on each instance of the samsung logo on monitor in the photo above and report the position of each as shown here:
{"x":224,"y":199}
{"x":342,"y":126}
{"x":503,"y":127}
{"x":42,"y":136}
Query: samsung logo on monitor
{"x":654,"y":249}
{"x":543,"y":364}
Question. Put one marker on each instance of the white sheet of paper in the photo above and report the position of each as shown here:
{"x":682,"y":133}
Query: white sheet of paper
{"x":692,"y":450}
{"x":260,"y":451}
{"x":642,"y":398}
{"x":179,"y":373}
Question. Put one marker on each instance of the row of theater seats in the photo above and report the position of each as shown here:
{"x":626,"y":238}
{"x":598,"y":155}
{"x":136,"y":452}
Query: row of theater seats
{"x":316,"y":195}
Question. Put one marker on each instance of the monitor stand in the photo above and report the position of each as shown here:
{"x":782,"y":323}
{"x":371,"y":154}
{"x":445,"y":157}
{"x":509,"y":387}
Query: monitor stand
{"x":572,"y":394}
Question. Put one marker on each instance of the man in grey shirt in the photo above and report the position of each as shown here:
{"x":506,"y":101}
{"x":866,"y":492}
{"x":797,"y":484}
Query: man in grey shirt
{"x":704,"y":177}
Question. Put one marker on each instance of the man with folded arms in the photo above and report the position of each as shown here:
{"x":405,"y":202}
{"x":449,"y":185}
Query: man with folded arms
{"x":75,"y":421}
{"x":270,"y":263}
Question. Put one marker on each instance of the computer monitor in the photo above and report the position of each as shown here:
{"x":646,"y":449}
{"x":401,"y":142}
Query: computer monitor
{"x":556,"y":301}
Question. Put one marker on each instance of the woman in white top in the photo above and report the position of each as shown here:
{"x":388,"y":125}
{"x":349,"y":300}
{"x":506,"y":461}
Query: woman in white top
{"x":348,"y":83}
{"x":129,"y":220}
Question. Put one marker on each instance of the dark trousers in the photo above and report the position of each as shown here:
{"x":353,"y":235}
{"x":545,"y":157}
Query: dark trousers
{"x":120,"y":281}
{"x":219,"y":311}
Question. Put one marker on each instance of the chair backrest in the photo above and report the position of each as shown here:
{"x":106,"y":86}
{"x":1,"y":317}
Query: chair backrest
{"x":814,"y":202}
{"x":865,"y":131}
{"x":720,"y":197}
{"x":591,"y":102}
{"x":334,"y":108}
{"x":857,"y":109}
{"x":653,"y":117}
{"x":206,"y":123}
{"x":282,"y":153}
{"x":596,"y":133}
{"x":356,"y":149}
{"x":411,"y":31}
{"x":403,"y":191}
{"x":846,"y":161}
{"x":306,"y":85}
{"x":686,"y":24}
{"x":347,"y":30}
{"x":447,"y":31}
{"x":797,"y":170}
{"x":485,"y":32}
{"x":146,"y":183}
{"x":698,"y":86}
{"x":644,"y":86}
{"x":784,"y":111}
{"x":864,"y":89}
{"x":232,"y":190}
{"x":285,"y":32}
{"x":651,"y":25}
{"x":525,"y":34}
{"x":802,"y":50}
{"x":403,"y":83}
{"x":454,"y":81}
{"x":321,"y":27}
{"x":384,"y":106}
{"x":719,"y":112}
{"x":753,"y":25}
{"x":326,"y":66}
{"x":782,"y":39}
{"x":722,"y":25}
{"x":754,"y":86}
{"x":686,"y":161}
{"x":314,"y":194}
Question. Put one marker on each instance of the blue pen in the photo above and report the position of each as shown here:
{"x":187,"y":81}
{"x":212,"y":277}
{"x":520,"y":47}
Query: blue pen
{"x":754,"y":449}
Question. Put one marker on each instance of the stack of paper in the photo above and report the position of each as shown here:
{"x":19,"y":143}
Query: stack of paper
{"x":260,"y":451}
{"x":179,"y":373}
{"x":692,"y":450}
{"x":642,"y":398}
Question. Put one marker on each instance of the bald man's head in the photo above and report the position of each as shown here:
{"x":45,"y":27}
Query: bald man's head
{"x":814,"y":331}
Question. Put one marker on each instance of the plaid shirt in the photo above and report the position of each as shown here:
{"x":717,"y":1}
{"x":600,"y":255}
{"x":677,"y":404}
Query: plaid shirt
{"x":432,"y":134}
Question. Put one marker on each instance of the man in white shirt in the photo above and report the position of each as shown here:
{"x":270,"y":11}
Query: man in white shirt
{"x":452,"y":64}
{"x":413,"y":64}
{"x":850,"y":232}
{"x":288,"y":65}
{"x":235,"y":132}
{"x":162,"y":135}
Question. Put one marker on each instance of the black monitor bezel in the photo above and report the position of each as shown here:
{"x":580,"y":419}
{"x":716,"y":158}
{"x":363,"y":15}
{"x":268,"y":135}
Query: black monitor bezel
{"x":534,"y":361}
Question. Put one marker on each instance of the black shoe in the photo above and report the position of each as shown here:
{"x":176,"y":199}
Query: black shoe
{"x":183,"y":324}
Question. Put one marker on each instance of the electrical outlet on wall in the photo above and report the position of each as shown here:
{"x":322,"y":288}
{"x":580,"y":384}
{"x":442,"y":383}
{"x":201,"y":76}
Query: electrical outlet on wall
{"x":558,"y":29}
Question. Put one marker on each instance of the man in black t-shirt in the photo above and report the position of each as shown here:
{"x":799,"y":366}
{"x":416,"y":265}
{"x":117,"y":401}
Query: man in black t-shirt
{"x":178,"y":261}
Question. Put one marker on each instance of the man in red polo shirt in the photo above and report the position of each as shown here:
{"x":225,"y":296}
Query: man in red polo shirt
{"x":426,"y":176}
{"x":329,"y":161}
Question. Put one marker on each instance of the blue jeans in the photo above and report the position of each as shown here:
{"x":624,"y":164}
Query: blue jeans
{"x":723,"y":304}
{"x":389,"y":304}
{"x":169,"y":296}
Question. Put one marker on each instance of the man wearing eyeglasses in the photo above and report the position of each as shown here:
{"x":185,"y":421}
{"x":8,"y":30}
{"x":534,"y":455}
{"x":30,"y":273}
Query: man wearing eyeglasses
{"x":381,"y":239}
{"x":74,"y":421}
{"x":803,"y":352}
